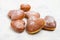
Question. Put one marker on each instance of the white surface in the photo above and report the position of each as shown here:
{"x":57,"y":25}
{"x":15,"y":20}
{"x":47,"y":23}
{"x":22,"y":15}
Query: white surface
{"x":44,"y":7}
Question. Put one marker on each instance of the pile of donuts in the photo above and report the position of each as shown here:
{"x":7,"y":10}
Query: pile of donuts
{"x":34,"y":23}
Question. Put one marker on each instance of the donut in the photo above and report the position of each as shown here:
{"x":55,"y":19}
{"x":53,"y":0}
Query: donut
{"x":16,"y":14}
{"x":25,"y":7}
{"x":34,"y":25}
{"x":50,"y":23}
{"x":18,"y":25}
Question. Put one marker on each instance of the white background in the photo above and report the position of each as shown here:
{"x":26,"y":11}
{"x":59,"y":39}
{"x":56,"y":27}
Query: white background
{"x":44,"y":7}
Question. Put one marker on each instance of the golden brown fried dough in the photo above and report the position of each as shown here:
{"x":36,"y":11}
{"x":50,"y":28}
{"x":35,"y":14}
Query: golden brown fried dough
{"x":18,"y":25}
{"x":16,"y":14}
{"x":50,"y":23}
{"x":25,"y":7}
{"x":34,"y":25}
{"x":32,"y":13}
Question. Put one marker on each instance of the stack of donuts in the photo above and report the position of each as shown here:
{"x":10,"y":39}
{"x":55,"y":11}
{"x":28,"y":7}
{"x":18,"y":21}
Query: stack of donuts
{"x":34,"y":22}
